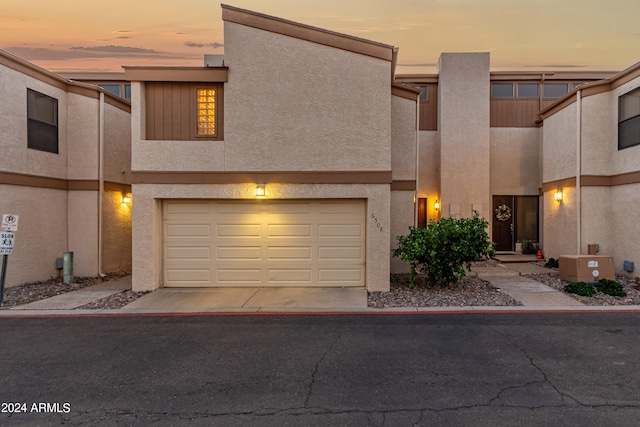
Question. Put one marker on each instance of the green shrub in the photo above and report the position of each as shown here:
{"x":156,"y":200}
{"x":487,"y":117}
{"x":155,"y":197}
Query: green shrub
{"x":444,"y":248}
{"x":611,"y":287}
{"x":580,"y":288}
{"x":552,"y":263}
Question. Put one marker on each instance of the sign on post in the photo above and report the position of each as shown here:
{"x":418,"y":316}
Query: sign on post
{"x":6,"y":243}
{"x":9,"y":222}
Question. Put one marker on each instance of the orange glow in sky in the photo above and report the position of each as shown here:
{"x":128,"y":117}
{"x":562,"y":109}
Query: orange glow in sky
{"x":74,"y":35}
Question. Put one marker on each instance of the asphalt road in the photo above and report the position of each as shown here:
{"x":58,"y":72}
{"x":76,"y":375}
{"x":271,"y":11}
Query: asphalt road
{"x":574,"y":369}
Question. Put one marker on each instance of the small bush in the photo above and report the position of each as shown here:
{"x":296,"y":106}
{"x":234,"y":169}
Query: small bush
{"x":580,"y":288}
{"x":552,"y":263}
{"x":445,"y":248}
{"x":611,"y":287}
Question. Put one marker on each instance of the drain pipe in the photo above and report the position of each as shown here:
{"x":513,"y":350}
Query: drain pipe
{"x":101,"y":180}
{"x":578,"y":172}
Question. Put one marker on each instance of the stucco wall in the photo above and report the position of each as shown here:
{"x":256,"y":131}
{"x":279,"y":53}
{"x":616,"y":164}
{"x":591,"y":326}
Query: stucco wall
{"x":463,"y":124}
{"x":116,"y":227}
{"x":16,"y":157}
{"x":514,"y":161}
{"x":402,"y":213}
{"x":117,"y":145}
{"x":429,"y":170}
{"x":403,"y":138}
{"x":625,"y":225}
{"x":147,"y":221}
{"x":296,"y":105}
{"x":560,"y":230}
{"x":82,"y":142}
{"x":41,"y":235}
{"x":559,"y":145}
{"x":599,"y":136}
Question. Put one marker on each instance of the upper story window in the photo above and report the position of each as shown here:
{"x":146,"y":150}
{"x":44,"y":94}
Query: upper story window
{"x":184,"y":111}
{"x":42,"y":122}
{"x":206,"y":112}
{"x":502,"y":90}
{"x":629,"y":119}
{"x":528,"y":90}
{"x":114,"y":89}
{"x":424,"y":95}
{"x":554,"y":90}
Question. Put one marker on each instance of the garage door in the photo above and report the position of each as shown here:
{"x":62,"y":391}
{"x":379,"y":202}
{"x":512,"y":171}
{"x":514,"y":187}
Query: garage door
{"x":264,"y":243}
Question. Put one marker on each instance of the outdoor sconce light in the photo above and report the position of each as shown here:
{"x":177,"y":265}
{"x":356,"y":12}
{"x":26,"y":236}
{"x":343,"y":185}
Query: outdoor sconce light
{"x":260,"y":193}
{"x":436,"y":205}
{"x":557,"y":196}
{"x":126,"y":198}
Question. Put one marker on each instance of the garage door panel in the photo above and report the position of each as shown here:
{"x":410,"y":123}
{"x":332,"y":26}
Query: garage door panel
{"x":346,"y":276}
{"x":279,"y":253}
{"x":237,"y":276}
{"x":188,"y":253}
{"x":340,"y":230}
{"x":239,"y":230}
{"x":265,"y":243}
{"x":239,"y":253}
{"x":187,"y":230}
{"x":189,"y":275}
{"x":290,"y":276}
{"x":341,"y":253}
{"x":289,"y":230}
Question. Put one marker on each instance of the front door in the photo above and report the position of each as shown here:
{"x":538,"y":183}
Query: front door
{"x":503,"y":223}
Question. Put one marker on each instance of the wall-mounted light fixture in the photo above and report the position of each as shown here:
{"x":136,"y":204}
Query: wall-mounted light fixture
{"x":126,"y":198}
{"x":557,"y":196}
{"x":436,"y":205}
{"x":260,"y":192}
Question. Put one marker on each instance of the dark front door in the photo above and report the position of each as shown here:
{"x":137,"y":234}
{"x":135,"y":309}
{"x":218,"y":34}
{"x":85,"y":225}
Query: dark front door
{"x":503,"y":223}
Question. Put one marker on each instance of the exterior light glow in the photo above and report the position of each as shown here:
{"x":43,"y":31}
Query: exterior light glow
{"x":260,"y":192}
{"x":557,"y":196}
{"x":436,"y":205}
{"x":126,"y":198}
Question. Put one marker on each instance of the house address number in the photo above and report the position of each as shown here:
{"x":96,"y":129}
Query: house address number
{"x":375,"y":220}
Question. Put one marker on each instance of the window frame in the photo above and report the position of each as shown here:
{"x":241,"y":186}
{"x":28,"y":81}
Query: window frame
{"x":37,"y":126}
{"x":631,"y":120}
{"x":504,"y":84}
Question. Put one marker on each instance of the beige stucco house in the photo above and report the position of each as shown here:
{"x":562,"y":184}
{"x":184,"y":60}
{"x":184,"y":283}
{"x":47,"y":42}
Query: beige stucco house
{"x":64,"y":167}
{"x":591,"y":156}
{"x":298,"y":156}
{"x":288,"y":162}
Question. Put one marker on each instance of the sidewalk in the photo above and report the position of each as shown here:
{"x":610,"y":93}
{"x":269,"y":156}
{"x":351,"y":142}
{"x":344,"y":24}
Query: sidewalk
{"x":534,"y":296}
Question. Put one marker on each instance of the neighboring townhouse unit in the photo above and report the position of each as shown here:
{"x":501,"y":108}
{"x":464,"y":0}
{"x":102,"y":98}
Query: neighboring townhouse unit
{"x":480,"y":143}
{"x":591,"y":158}
{"x":64,"y":168}
{"x":288,"y":162}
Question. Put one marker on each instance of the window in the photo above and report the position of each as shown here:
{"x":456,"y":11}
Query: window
{"x":629,"y":119}
{"x":576,"y":84}
{"x":127,"y":91}
{"x":424,"y":95}
{"x":555,"y":90}
{"x":114,"y":89}
{"x":206,"y":112}
{"x":42,"y":122}
{"x":502,"y":90}
{"x":528,"y":90}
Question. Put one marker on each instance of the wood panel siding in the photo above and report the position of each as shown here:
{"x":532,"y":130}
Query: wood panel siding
{"x":514,"y":112}
{"x":171,"y":111}
{"x":429,"y":108}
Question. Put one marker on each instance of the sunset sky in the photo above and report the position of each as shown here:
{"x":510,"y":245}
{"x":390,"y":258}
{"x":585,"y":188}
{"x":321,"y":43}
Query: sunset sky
{"x":74,"y":35}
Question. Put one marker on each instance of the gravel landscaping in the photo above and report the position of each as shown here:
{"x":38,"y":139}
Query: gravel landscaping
{"x":36,"y":291}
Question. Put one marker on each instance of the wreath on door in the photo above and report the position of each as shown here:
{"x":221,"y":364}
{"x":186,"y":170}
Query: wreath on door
{"x":503,"y":213}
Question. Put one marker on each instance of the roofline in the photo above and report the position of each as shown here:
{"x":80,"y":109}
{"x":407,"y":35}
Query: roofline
{"x":176,"y":74}
{"x":405,"y":91}
{"x":307,"y":32}
{"x":592,"y":88}
{"x":23,"y":66}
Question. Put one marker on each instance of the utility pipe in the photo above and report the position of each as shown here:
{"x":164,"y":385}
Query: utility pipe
{"x":578,"y":172}
{"x":101,"y":179}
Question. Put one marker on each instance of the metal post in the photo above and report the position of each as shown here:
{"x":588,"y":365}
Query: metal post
{"x":5,"y":258}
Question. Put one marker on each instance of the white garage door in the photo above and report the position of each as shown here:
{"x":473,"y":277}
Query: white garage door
{"x":264,"y":243}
